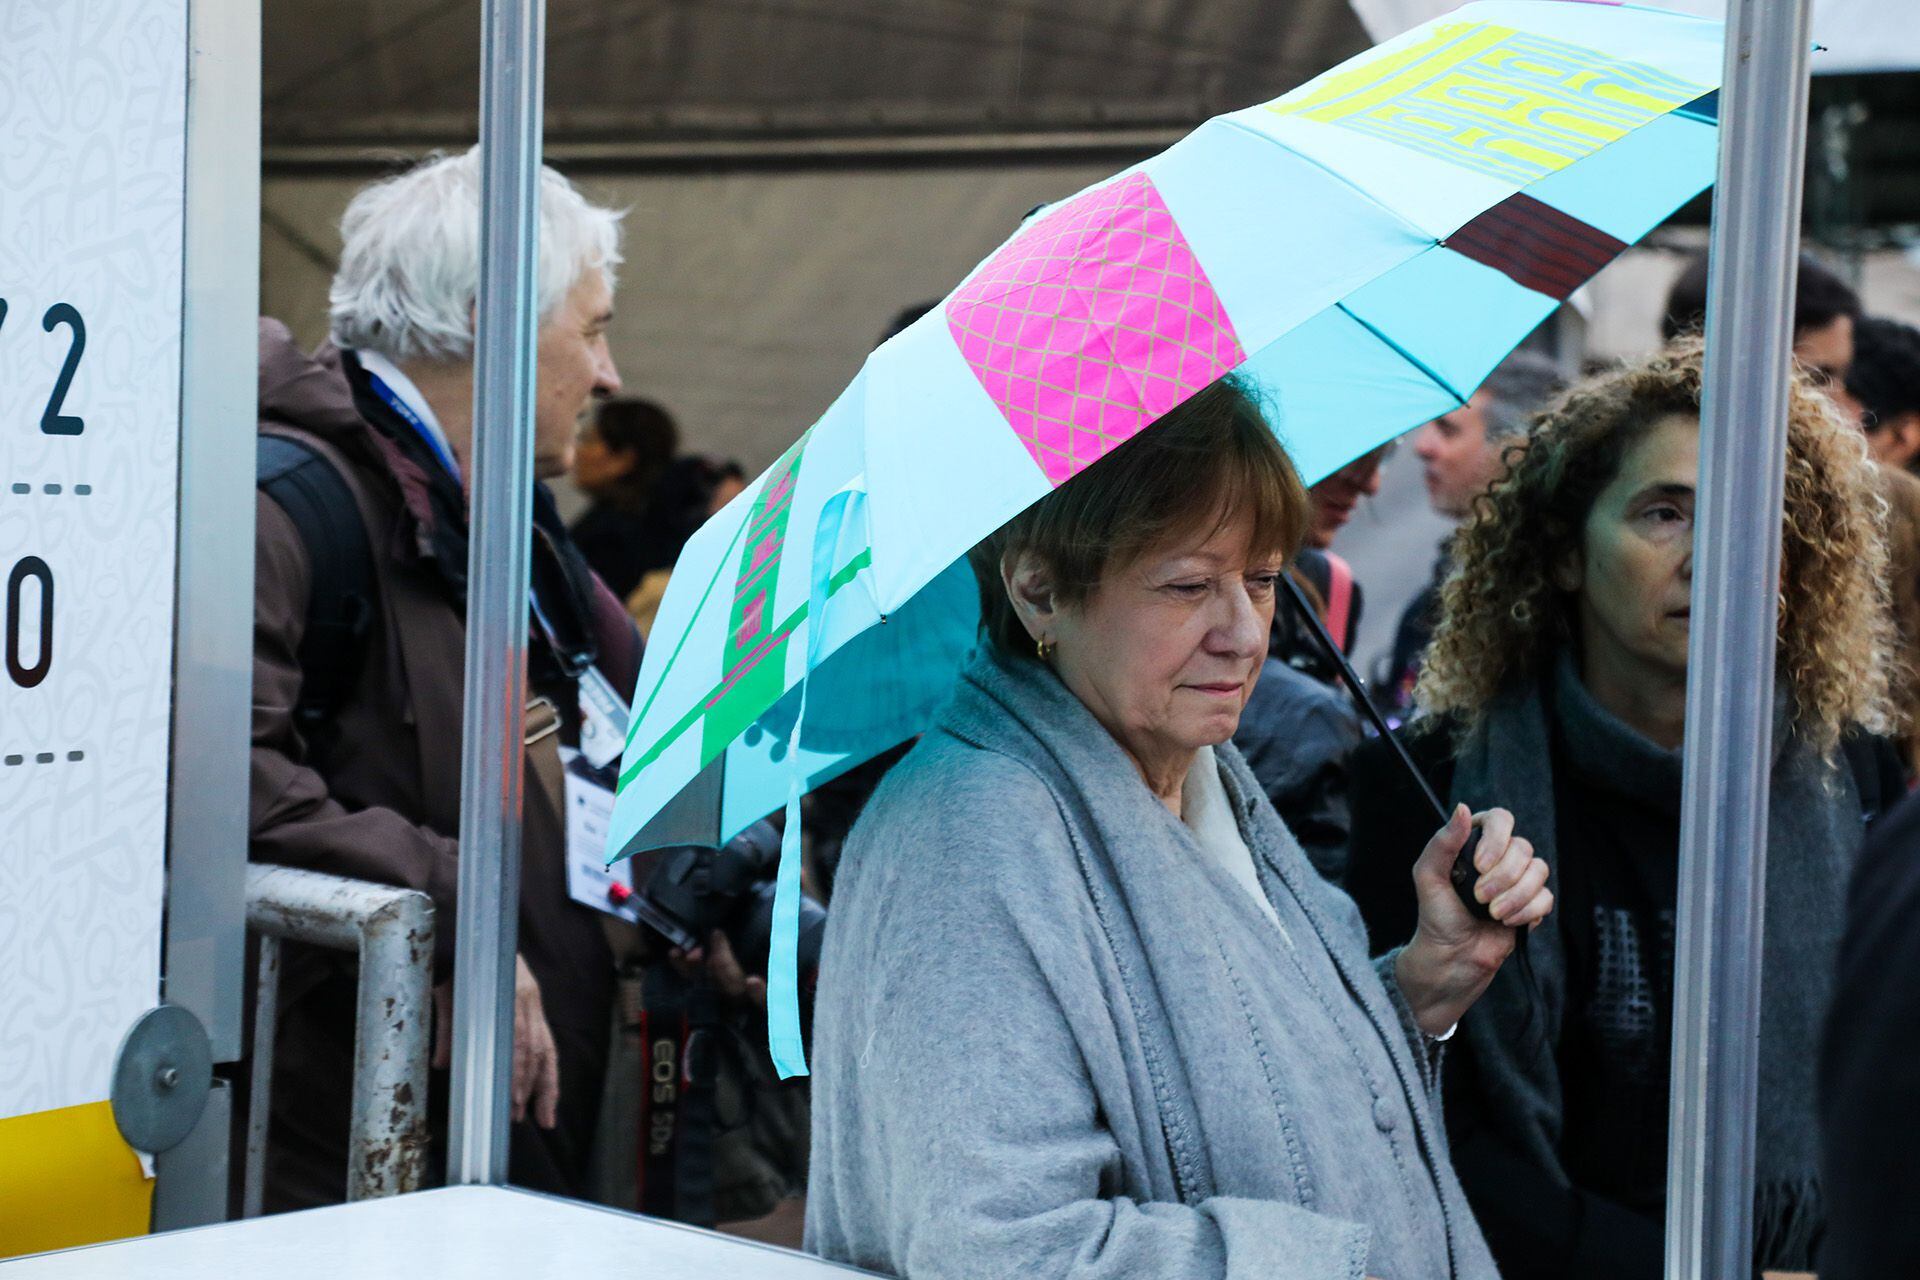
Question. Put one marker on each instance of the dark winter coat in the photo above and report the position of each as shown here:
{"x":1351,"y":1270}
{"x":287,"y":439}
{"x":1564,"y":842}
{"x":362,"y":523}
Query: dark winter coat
{"x":1564,"y":1190}
{"x":1869,"y":1084}
{"x":1296,"y":734}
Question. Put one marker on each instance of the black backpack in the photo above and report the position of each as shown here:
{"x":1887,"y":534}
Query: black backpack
{"x":341,"y":600}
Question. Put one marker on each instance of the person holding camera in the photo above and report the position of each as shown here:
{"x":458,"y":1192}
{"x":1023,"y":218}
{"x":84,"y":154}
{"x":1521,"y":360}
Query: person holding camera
{"x":366,"y":449}
{"x":714,"y":1137}
{"x":1084,"y":1008}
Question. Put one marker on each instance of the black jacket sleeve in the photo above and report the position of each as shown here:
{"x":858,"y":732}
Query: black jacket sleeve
{"x":1391,"y":823}
{"x":1869,"y":1083}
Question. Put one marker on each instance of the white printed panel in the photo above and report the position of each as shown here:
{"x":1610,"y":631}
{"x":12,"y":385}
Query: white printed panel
{"x":93,"y":96}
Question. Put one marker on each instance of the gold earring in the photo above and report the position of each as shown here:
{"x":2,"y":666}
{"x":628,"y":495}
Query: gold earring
{"x":1045,"y":649}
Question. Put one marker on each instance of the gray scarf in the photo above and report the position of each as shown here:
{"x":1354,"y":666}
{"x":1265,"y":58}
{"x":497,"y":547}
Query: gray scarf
{"x":1814,"y":831}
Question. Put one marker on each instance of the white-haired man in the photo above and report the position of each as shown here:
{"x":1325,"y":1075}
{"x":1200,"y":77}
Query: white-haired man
{"x":366,"y":450}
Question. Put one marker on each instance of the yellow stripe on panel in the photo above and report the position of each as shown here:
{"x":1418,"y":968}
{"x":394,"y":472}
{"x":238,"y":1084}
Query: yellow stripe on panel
{"x":1336,"y":95}
{"x":1492,"y":100}
{"x":68,"y":1178}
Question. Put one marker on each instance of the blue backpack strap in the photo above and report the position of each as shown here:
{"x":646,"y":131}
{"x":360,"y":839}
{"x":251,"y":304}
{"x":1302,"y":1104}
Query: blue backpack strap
{"x":342,"y":593}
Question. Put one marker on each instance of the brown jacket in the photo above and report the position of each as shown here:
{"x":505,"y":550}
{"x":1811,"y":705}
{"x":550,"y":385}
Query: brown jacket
{"x":379,"y":799}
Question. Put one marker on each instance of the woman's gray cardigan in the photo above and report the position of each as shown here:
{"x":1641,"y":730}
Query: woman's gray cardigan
{"x":1053,"y":1040}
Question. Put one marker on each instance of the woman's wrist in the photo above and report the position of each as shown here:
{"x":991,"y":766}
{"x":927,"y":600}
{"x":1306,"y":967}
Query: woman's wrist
{"x":1438,"y":987}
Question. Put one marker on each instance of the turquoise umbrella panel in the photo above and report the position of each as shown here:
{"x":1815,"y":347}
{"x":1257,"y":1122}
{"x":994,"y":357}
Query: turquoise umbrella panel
{"x":1333,"y":368}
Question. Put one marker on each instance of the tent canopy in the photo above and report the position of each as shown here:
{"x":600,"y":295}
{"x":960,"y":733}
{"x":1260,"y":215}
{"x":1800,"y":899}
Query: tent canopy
{"x":345,"y":73}
{"x":799,"y":170}
{"x":401,"y":72}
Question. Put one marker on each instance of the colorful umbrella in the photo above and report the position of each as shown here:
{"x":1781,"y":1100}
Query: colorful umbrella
{"x":1362,"y":252}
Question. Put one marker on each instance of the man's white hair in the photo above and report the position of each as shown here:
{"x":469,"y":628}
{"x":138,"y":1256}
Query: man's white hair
{"x":410,"y":265}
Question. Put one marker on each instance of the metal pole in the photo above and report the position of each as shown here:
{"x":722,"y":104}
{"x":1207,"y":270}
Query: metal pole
{"x":392,"y":1042}
{"x":205,"y":958}
{"x":1736,"y":565}
{"x":213,"y":628}
{"x":512,"y":53}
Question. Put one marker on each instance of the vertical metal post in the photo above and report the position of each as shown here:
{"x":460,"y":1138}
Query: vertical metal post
{"x":512,"y":54}
{"x":213,"y":619}
{"x":205,"y":942}
{"x":387,"y":1149}
{"x":1736,"y":565}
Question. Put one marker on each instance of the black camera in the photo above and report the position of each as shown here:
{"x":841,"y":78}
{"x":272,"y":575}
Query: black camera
{"x":694,"y":889}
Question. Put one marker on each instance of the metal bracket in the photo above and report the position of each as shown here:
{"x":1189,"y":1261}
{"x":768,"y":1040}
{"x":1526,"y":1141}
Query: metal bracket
{"x":161,"y":1077}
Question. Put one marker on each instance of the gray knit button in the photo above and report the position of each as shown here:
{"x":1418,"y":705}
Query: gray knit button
{"x":1383,"y":1117}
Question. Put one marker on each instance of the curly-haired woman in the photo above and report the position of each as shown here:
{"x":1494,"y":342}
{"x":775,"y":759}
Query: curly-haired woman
{"x":1557,"y":687}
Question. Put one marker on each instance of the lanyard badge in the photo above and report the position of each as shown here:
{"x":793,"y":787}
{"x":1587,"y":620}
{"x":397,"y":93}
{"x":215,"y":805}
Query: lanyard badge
{"x":603,"y":720}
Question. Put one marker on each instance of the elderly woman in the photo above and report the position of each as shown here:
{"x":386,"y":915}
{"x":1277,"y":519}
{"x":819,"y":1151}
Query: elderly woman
{"x":1085,"y":1010}
{"x":1558,"y":673}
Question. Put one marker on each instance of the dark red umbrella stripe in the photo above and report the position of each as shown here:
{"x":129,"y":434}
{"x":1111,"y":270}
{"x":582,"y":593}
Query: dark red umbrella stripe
{"x":1531,"y":257}
{"x":1536,"y":245}
{"x":1525,"y":211}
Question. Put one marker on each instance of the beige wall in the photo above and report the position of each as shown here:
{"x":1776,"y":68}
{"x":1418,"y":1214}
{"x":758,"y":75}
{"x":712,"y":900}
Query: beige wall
{"x":748,"y":300}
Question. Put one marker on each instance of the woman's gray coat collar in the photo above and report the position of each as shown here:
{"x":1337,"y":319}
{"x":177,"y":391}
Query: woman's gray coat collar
{"x":1019,"y":708}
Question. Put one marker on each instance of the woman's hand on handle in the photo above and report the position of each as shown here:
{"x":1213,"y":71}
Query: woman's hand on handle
{"x":1453,"y":956}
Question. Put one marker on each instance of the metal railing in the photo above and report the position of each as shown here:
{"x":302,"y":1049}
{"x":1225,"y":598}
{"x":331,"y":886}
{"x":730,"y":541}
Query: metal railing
{"x":392,"y":930}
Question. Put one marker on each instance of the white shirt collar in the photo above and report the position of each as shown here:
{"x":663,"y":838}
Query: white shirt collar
{"x":401,"y":385}
{"x":1208,"y":812}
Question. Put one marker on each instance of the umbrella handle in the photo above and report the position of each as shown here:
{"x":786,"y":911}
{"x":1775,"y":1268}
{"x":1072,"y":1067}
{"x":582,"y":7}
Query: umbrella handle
{"x":1463,"y":874}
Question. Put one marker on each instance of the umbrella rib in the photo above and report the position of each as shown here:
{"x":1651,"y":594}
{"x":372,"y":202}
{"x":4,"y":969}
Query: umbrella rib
{"x":1404,"y":354}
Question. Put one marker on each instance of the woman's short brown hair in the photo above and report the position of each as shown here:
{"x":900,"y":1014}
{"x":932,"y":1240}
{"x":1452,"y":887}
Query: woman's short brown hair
{"x":1214,"y":458}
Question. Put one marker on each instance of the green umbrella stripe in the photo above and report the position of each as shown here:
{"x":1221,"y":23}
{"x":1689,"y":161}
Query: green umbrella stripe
{"x":727,"y":702}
